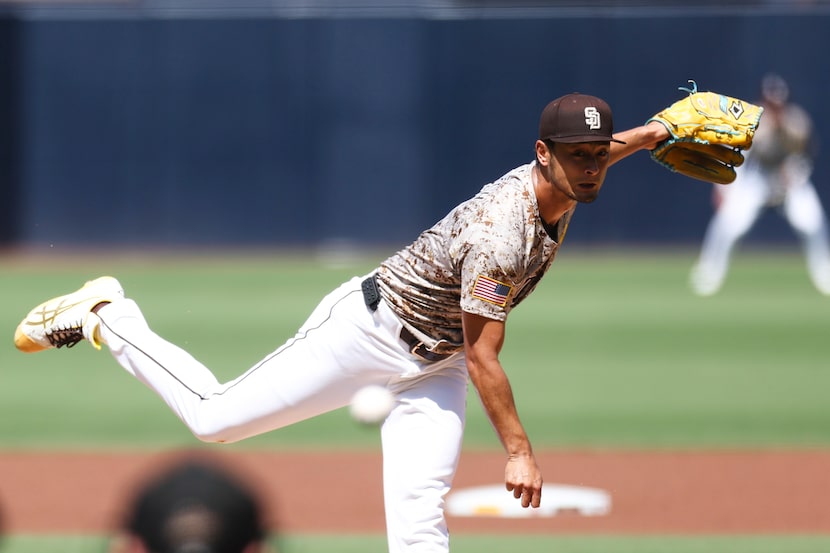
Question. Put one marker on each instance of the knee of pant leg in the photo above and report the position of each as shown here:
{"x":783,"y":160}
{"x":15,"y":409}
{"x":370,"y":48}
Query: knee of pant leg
{"x":417,"y":524}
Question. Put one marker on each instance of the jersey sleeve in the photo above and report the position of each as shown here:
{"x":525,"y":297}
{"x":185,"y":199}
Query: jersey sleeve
{"x":489,"y":273}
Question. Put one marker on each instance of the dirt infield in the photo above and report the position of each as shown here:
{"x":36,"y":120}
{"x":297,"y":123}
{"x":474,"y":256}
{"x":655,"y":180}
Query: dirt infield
{"x":652,"y":492}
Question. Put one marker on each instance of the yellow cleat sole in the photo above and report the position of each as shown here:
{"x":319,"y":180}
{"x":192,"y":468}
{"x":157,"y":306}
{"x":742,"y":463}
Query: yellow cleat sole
{"x":24,"y":344}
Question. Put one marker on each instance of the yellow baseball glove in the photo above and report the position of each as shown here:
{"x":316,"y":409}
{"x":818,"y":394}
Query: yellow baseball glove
{"x":708,"y":133}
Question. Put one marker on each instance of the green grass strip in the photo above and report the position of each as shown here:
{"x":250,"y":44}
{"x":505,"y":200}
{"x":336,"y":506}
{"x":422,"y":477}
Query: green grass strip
{"x":611,"y":350}
{"x":304,"y":543}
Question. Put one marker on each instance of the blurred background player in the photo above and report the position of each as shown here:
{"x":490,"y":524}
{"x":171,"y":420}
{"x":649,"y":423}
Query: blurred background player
{"x":192,"y":506}
{"x":777,"y":174}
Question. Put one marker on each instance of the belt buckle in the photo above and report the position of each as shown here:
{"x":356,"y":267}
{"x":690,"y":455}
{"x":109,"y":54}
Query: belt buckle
{"x":413,"y":349}
{"x":424,"y":353}
{"x":419,"y":349}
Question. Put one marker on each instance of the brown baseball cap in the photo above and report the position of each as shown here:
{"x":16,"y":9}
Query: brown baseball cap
{"x":577,"y":118}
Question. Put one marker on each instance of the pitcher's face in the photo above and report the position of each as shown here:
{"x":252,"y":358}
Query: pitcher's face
{"x":578,"y":170}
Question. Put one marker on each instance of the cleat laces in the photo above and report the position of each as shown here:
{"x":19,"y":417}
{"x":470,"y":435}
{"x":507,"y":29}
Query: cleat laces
{"x":68,"y":337}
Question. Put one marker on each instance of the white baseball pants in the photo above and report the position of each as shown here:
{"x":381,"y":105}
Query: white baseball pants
{"x":342,"y":347}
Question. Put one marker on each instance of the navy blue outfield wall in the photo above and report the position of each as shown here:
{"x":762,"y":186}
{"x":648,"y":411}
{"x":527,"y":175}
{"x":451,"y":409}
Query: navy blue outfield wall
{"x":269,"y":131}
{"x":10,"y":182}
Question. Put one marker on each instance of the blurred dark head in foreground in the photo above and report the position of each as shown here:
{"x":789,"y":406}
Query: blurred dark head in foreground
{"x":194,"y":506}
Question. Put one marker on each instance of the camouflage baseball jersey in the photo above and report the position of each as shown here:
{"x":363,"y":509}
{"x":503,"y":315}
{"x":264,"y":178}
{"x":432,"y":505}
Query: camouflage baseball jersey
{"x":484,"y":257}
{"x":789,"y":135}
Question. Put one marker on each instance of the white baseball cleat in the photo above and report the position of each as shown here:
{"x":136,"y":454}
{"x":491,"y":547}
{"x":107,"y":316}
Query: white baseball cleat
{"x":66,"y":320}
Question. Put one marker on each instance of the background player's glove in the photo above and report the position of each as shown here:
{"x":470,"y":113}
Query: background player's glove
{"x":708,"y":133}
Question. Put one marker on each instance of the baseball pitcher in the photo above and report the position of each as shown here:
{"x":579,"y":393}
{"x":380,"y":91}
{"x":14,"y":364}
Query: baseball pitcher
{"x":428,"y":319}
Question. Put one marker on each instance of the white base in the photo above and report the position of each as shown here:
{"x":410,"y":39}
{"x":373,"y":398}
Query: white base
{"x":496,"y":501}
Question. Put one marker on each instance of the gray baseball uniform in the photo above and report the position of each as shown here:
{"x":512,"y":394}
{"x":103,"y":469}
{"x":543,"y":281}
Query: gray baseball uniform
{"x":484,"y":257}
{"x":777,"y":174}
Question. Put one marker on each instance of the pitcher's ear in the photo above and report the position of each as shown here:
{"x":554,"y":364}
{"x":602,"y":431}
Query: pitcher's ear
{"x":543,"y":153}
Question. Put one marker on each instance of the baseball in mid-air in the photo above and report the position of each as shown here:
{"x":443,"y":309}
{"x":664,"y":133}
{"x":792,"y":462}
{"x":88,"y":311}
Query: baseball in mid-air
{"x":371,"y":404}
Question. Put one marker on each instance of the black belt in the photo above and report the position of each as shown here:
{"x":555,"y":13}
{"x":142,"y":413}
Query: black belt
{"x":371,"y":296}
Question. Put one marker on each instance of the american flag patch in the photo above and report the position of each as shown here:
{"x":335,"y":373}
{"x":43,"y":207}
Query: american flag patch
{"x":491,"y":290}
